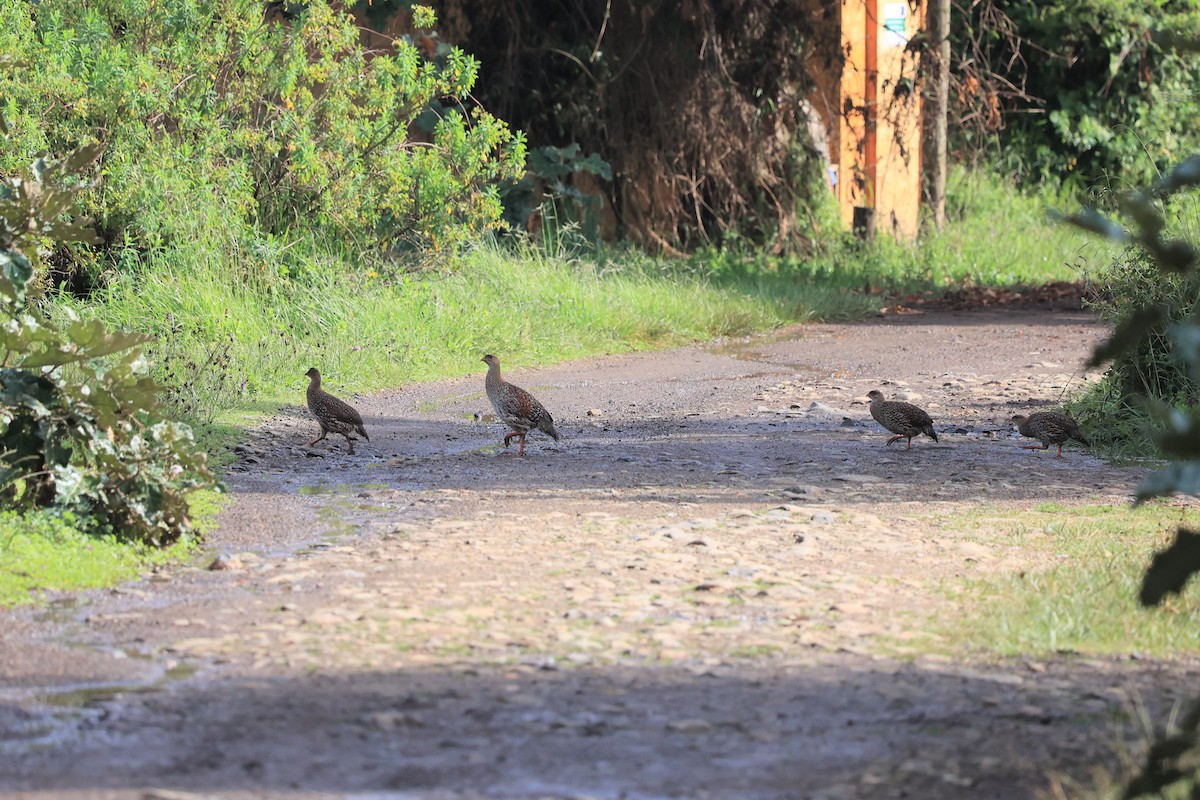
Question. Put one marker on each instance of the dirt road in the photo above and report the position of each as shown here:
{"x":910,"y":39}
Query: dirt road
{"x":719,"y":585}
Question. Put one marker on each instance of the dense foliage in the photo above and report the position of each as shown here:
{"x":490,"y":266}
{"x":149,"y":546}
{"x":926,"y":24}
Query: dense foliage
{"x":222,"y":124}
{"x":1084,"y":90}
{"x":79,"y":428}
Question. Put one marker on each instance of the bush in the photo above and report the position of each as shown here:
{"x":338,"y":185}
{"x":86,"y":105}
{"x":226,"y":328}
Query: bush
{"x":79,"y":428}
{"x":219,"y":119}
{"x":1149,"y":373}
{"x":1083,"y":90}
{"x":1133,"y":281}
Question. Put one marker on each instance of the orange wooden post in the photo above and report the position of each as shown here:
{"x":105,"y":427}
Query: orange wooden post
{"x":879,"y":150}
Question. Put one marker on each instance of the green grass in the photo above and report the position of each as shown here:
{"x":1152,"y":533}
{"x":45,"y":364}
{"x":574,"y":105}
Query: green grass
{"x":1083,"y":596}
{"x":235,"y":326}
{"x":39,"y":551}
{"x":225,"y":341}
{"x":995,"y":236}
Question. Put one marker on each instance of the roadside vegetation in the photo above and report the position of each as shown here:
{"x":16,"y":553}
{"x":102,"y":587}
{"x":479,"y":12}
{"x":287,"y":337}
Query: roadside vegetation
{"x":1080,"y":597}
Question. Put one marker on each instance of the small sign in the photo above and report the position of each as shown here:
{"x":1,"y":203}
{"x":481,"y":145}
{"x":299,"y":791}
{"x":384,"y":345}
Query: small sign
{"x":895,"y":24}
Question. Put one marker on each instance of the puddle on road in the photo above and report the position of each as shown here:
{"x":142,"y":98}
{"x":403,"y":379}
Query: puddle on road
{"x":54,"y":717}
{"x":339,"y":489}
{"x":59,"y":611}
{"x":752,"y":351}
{"x":89,"y":696}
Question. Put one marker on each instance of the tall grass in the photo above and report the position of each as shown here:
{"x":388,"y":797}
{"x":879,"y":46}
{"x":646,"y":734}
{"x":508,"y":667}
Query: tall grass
{"x":996,"y":236}
{"x":236,"y":323}
{"x":222,"y":339}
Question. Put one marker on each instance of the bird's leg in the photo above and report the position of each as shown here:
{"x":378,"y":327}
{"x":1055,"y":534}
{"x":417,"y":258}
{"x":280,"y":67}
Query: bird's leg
{"x":1059,"y":451}
{"x":909,"y":444}
{"x":508,"y":437}
{"x":1035,"y":446}
{"x":319,"y":438}
{"x":350,"y":442}
{"x":894,"y":439}
{"x":521,"y":451}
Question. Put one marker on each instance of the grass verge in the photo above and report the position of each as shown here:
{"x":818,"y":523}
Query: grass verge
{"x":995,"y":236}
{"x":223,"y":342}
{"x":1082,"y":595}
{"x":38,"y":551}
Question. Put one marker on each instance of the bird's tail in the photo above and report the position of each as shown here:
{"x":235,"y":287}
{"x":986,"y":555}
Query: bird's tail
{"x":930,"y":432}
{"x":547,"y":427}
{"x":363,"y":431}
{"x":1079,"y":437}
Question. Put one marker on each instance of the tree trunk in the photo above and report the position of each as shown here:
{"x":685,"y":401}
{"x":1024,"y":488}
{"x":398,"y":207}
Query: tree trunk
{"x":939,"y":28}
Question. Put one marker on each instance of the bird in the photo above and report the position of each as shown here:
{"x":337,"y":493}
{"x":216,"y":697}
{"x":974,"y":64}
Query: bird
{"x":334,"y":415}
{"x":903,"y":419}
{"x":1050,"y":427}
{"x":518,"y":408}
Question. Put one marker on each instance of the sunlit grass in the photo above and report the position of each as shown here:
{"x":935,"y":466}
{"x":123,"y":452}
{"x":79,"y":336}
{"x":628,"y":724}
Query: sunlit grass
{"x":1080,"y":595}
{"x":366,"y":333}
{"x":995,"y":236}
{"x":39,"y":551}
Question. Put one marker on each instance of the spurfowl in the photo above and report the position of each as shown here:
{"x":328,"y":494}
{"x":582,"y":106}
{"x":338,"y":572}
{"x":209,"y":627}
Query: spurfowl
{"x":518,"y":408}
{"x":903,"y":419}
{"x":1049,"y":427}
{"x":334,"y":415}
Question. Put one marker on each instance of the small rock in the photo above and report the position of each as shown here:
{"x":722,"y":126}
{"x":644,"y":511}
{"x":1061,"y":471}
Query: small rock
{"x":690,"y":726}
{"x":225,"y":562}
{"x":822,"y":517}
{"x":391,"y":720}
{"x":595,"y":412}
{"x":857,"y":478}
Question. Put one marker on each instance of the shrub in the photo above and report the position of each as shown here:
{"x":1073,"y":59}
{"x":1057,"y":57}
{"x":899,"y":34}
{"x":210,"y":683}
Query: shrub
{"x":79,"y":428}
{"x":218,"y":117}
{"x":1134,"y":281}
{"x":1101,"y":97}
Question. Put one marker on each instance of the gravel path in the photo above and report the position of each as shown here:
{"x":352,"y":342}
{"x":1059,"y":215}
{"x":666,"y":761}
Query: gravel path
{"x":720,"y":584}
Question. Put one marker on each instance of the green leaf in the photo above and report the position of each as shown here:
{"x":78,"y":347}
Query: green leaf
{"x":1186,"y":174}
{"x":1175,"y":255}
{"x":1170,"y":569}
{"x":15,"y":274}
{"x":1128,"y":334}
{"x":89,"y":339}
{"x":23,"y":389}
